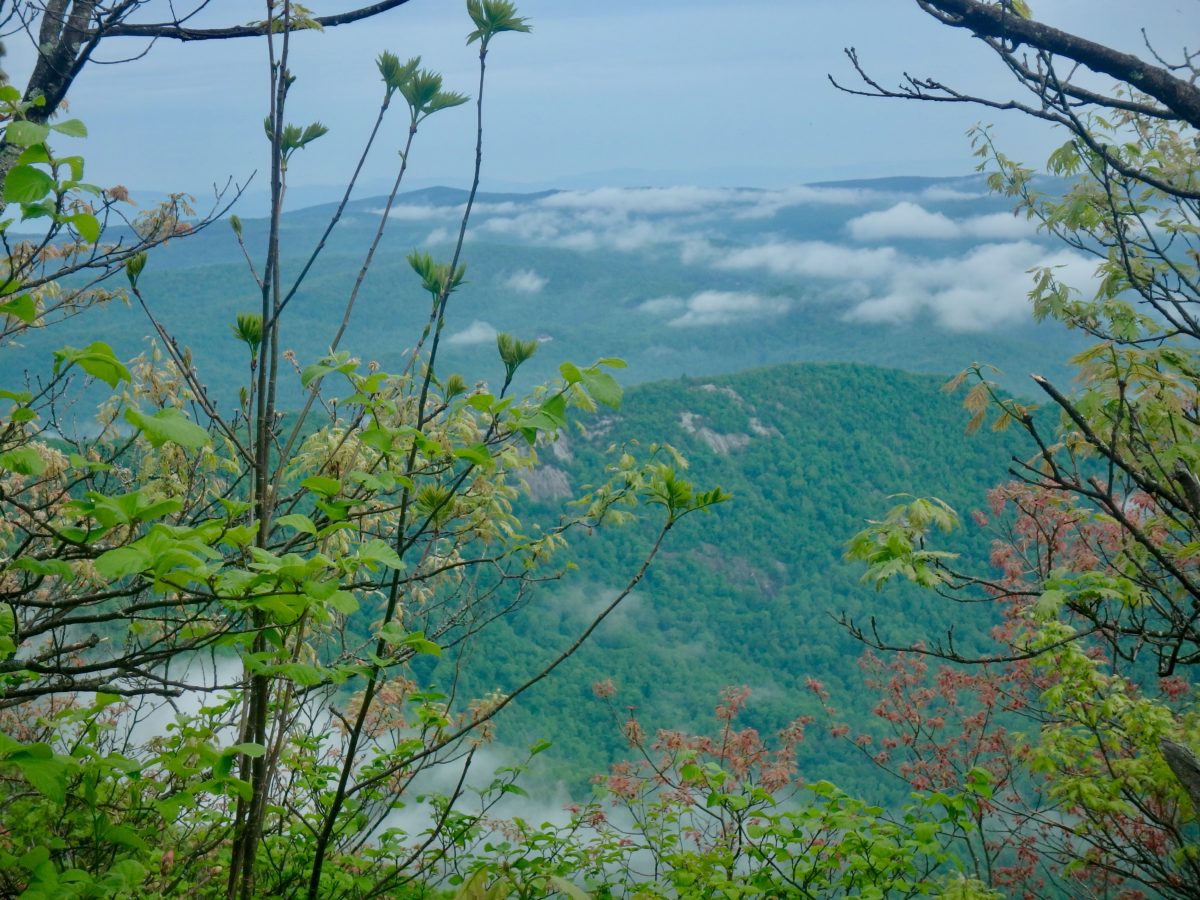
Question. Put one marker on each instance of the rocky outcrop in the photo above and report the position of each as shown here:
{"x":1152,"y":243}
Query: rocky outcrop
{"x":547,"y":483}
{"x":722,"y":444}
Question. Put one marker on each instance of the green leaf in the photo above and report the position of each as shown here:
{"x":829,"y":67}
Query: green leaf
{"x":299,"y":522}
{"x":252,"y":750}
{"x":603,"y":388}
{"x":133,"y":268}
{"x":55,"y":567}
{"x":22,"y":307}
{"x":302,"y":674}
{"x":565,"y":887}
{"x":87,"y":225}
{"x":23,"y":461}
{"x":1049,"y":603}
{"x":47,"y":773}
{"x":26,"y":134}
{"x":481,"y":402}
{"x":32,"y":155}
{"x":343,"y":602}
{"x":71,"y":128}
{"x":123,"y":836}
{"x":25,"y":184}
{"x":418,"y":642}
{"x":97,"y":359}
{"x":377,"y":551}
{"x":123,"y":877}
{"x":491,"y":17}
{"x":121,"y":562}
{"x":477,"y":454}
{"x":321,"y":484}
{"x":168,"y":426}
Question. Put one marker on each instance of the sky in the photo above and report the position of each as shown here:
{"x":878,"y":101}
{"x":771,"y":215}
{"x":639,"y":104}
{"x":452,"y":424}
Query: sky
{"x":625,"y":92}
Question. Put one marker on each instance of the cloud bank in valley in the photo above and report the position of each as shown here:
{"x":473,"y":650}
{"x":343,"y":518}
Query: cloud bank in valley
{"x":626,"y":219}
{"x":983,"y":288}
{"x":814,"y":259}
{"x":478,"y":332}
{"x":911,"y":221}
{"x":716,"y":308}
{"x":866,"y":263}
{"x":524,"y":281}
{"x":986,"y":287}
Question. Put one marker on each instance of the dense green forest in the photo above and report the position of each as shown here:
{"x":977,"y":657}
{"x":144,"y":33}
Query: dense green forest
{"x":751,"y":593}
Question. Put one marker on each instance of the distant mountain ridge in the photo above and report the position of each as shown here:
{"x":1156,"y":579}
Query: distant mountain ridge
{"x":919,"y":274}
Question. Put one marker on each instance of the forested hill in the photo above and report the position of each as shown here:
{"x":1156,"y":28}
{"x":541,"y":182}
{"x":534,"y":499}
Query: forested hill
{"x":749,"y":594}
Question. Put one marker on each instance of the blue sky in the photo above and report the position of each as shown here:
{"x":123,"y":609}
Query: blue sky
{"x":627,"y":92}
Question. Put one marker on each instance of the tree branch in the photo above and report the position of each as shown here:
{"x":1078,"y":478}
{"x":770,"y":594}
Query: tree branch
{"x":178,"y":32}
{"x":986,"y":20}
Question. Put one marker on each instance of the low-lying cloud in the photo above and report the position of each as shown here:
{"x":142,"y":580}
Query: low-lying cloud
{"x":630,"y":219}
{"x":988,"y":286}
{"x":869,"y":276}
{"x":708,"y":308}
{"x":525,"y":281}
{"x":911,"y":221}
{"x":478,"y":332}
{"x":816,"y":259}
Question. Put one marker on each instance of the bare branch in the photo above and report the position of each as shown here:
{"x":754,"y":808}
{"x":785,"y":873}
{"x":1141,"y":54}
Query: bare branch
{"x":177,"y":31}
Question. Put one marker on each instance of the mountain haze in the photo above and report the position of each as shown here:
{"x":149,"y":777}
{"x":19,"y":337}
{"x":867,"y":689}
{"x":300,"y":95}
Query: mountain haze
{"x":914,"y":273}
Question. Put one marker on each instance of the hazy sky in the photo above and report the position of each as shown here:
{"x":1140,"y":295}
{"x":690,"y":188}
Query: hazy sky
{"x":622,"y":92}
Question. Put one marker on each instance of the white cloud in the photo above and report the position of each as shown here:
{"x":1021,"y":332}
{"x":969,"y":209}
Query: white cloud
{"x":999,"y":226}
{"x":643,"y":201}
{"x":987,"y":287}
{"x":525,"y":281}
{"x":478,"y":332}
{"x":911,"y":221}
{"x":533,"y":225}
{"x":741,"y":203}
{"x":940,"y":194}
{"x":583,"y":229}
{"x":817,"y":259}
{"x":765,"y":204}
{"x":627,"y":219}
{"x":662,"y":306}
{"x":904,"y":220}
{"x":716,"y":308}
{"x":419,"y":212}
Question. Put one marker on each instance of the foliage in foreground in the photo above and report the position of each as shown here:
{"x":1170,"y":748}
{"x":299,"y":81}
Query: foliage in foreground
{"x":216,"y":624}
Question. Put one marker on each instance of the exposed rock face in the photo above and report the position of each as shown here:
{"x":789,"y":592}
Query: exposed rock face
{"x":722,"y":444}
{"x":602,"y":426}
{"x":725,"y":443}
{"x":719,"y":559}
{"x":561,"y":448}
{"x":726,"y":390}
{"x":763,"y":430}
{"x":547,"y":483}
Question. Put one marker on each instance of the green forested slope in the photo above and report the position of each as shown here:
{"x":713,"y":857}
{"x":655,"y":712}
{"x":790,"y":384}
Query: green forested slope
{"x":749,"y":594}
